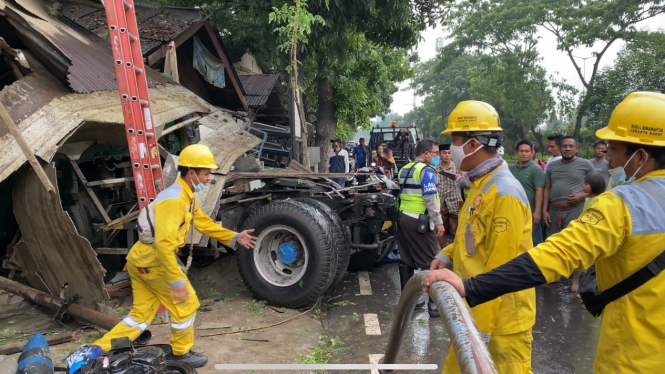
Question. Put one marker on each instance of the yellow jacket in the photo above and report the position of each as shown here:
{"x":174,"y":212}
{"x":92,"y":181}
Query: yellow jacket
{"x":173,"y":219}
{"x":497,"y":213}
{"x":622,"y":232}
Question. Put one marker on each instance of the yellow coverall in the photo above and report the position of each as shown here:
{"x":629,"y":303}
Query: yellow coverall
{"x":154,"y":270}
{"x":622,"y":232}
{"x":496,"y":212}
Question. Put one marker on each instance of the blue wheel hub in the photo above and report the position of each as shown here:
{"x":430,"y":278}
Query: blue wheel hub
{"x":287,"y":253}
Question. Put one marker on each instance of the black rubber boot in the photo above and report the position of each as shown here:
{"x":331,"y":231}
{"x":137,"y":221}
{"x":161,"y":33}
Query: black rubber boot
{"x":432,"y":309}
{"x":193,"y":359}
{"x":405,"y":273}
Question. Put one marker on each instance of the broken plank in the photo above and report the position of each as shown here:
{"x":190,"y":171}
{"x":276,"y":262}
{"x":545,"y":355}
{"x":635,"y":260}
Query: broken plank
{"x":214,"y":325}
{"x":90,"y":192}
{"x":107,"y":182}
{"x":25,"y":147}
{"x":121,"y":221}
{"x":119,"y":286}
{"x":52,"y":340}
{"x":180,"y":125}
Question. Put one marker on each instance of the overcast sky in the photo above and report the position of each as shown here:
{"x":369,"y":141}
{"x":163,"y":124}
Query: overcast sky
{"x":554,"y":61}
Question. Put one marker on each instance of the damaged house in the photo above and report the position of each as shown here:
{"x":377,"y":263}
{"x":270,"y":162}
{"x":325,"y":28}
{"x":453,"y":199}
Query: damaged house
{"x":58,"y":84}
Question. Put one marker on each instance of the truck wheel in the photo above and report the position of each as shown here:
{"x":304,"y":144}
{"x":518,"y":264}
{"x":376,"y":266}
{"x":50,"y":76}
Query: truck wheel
{"x":340,"y":237}
{"x":291,"y":263}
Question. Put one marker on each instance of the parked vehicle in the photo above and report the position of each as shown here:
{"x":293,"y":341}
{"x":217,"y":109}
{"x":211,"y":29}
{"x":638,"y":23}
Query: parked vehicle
{"x":402,"y":141}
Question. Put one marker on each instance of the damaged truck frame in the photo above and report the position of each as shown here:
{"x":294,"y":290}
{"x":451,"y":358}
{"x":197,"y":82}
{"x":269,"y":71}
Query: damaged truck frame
{"x":58,"y":85}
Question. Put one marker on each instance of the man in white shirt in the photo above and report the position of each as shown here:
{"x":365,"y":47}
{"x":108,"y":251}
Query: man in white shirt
{"x":338,"y":161}
{"x":554,"y":147}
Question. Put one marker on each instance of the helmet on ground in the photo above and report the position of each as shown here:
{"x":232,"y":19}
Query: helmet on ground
{"x":472,"y":116}
{"x":197,"y":156}
{"x":639,"y":119}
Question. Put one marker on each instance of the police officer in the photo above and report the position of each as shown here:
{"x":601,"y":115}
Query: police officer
{"x":418,"y":242}
{"x":622,"y":232}
{"x":494,"y":227}
{"x":153,"y":268}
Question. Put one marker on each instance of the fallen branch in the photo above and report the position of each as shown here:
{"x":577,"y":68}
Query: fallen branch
{"x":263,"y":327}
{"x":64,"y":337}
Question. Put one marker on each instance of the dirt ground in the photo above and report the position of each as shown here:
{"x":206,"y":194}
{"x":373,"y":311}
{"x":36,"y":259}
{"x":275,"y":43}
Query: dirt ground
{"x":224,"y":299}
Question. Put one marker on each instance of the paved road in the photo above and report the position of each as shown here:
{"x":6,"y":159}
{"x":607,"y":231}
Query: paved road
{"x":361,"y":312}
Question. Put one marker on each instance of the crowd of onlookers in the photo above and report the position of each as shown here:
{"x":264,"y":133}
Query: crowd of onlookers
{"x":558,"y":189}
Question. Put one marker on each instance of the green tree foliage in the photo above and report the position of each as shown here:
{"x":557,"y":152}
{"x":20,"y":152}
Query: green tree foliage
{"x":640,"y":66}
{"x":575,"y":24}
{"x":500,"y":65}
{"x":350,"y":63}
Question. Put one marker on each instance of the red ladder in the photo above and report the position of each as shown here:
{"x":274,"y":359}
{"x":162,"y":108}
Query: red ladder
{"x":134,"y":98}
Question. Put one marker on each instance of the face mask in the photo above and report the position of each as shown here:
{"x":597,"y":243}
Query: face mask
{"x":436,"y":160}
{"x":198,"y":187}
{"x":619,"y":174}
{"x":457,"y":153}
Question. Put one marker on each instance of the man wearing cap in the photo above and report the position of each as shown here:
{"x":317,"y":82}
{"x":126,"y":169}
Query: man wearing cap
{"x":449,"y":192}
{"x":157,"y":279}
{"x":622,"y":233}
{"x":494,"y":228}
{"x":338,"y":161}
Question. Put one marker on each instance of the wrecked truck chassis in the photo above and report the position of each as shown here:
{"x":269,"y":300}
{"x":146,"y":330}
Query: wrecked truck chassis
{"x":291,"y":262}
{"x":309,"y":233}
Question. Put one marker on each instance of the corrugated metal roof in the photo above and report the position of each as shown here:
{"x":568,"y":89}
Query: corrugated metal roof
{"x":91,"y":65}
{"x":258,"y":87}
{"x":156,"y":22}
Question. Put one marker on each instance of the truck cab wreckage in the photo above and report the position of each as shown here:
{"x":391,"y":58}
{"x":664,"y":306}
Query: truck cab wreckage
{"x":59,"y":88}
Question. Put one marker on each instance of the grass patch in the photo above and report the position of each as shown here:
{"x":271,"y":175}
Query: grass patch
{"x":211,"y":293}
{"x":355,"y":316}
{"x":122,"y":311}
{"x":8,"y":332}
{"x":421,"y":322}
{"x":89,"y":339}
{"x":302,"y":331}
{"x":325,"y":351}
{"x":256,"y":307}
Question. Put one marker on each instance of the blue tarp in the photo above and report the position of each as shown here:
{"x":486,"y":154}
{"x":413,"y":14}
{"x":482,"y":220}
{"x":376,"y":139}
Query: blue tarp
{"x":208,"y":65}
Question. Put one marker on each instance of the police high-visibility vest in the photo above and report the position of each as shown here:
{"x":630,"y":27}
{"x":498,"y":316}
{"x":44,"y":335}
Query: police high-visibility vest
{"x":411,"y":196}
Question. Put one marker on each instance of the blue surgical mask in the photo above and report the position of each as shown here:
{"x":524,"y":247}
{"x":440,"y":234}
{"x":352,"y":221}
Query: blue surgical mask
{"x":198,"y":187}
{"x":619,"y":176}
{"x":435,"y":160}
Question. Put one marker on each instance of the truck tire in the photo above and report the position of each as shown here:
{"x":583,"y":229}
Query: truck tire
{"x":292,"y":262}
{"x":341,"y":240}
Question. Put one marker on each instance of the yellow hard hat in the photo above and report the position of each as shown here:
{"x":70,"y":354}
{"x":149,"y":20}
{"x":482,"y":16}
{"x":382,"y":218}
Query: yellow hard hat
{"x":473,"y":116}
{"x":197,"y":156}
{"x":639,"y":119}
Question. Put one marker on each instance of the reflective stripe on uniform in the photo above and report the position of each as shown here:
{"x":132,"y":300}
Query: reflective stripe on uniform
{"x":411,"y":195}
{"x":509,"y":186}
{"x":131,"y":322}
{"x":649,"y":193}
{"x":185,"y":324}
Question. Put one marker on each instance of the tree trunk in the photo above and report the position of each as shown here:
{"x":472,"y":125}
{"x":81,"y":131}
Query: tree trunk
{"x":578,"y":123}
{"x":539,"y":138}
{"x":326,"y":123}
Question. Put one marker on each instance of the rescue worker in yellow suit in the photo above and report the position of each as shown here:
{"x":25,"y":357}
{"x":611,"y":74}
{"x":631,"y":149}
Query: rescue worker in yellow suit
{"x":623,"y":232}
{"x":494,"y":227}
{"x":154,"y":271}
